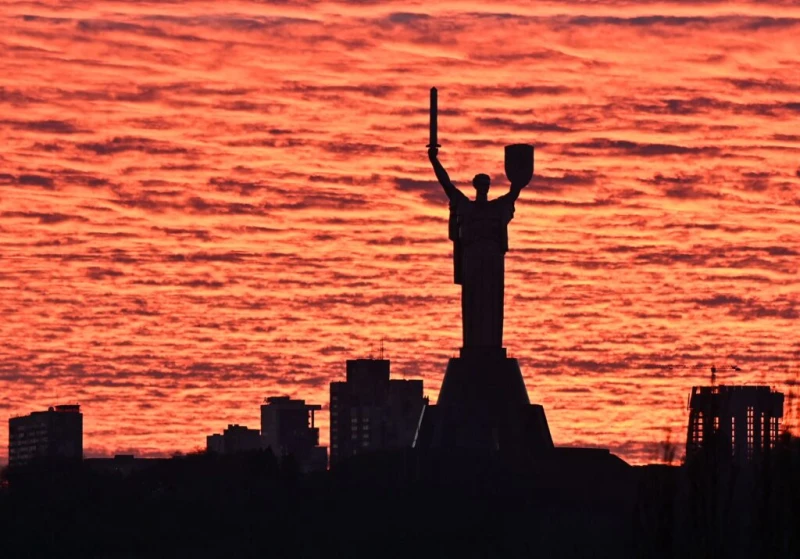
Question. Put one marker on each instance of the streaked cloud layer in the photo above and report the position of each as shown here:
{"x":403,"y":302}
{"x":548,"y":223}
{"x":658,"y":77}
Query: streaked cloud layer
{"x":205,"y":203}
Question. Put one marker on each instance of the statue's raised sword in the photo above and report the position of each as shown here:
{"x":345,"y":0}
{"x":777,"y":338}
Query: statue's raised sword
{"x":434,"y":135}
{"x":453,"y":222}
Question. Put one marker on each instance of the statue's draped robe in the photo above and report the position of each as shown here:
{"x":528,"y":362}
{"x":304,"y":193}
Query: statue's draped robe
{"x":480,"y":240}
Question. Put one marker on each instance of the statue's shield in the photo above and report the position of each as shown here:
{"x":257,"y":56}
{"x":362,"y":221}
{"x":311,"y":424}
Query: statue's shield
{"x":519,"y":163}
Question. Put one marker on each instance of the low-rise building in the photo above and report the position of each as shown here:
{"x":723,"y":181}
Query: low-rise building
{"x":288,"y":428}
{"x":122,"y":465}
{"x":236,"y":438}
{"x":53,"y":434}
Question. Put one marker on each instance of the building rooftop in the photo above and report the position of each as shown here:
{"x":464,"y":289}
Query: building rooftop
{"x":62,"y":408}
{"x":288,"y":402}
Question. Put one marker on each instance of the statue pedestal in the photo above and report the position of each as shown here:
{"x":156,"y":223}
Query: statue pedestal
{"x":483,"y":406}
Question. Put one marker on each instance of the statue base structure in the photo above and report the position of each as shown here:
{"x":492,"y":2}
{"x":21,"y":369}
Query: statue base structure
{"x":483,"y":406}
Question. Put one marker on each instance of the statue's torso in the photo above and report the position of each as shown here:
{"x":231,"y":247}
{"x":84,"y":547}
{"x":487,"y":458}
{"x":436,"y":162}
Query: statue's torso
{"x":483,"y":221}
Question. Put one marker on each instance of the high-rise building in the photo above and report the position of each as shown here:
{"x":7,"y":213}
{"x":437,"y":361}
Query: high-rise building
{"x":53,"y":434}
{"x":370,"y":412}
{"x":288,"y":428}
{"x":236,"y":438}
{"x":740,"y":422}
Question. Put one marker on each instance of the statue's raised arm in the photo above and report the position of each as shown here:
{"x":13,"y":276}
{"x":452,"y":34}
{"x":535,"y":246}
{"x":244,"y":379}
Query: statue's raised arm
{"x":514,"y":191}
{"x":444,"y":179}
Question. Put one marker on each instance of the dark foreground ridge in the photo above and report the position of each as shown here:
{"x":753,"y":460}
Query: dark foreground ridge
{"x":573,"y":503}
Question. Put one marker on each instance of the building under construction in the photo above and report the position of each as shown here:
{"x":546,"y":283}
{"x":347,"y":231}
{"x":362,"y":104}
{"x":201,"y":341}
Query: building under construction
{"x":742,"y":422}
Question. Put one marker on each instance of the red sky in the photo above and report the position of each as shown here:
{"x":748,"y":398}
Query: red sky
{"x":206,"y":203}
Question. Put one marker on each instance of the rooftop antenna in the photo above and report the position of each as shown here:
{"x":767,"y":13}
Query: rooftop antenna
{"x":381,"y":353}
{"x":714,"y":369}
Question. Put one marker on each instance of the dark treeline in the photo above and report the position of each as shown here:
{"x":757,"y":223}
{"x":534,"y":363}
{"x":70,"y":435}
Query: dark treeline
{"x":715,"y":507}
{"x":398,"y":504}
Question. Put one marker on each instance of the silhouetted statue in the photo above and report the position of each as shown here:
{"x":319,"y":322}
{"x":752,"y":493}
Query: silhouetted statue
{"x":483,"y":405}
{"x":479,"y":231}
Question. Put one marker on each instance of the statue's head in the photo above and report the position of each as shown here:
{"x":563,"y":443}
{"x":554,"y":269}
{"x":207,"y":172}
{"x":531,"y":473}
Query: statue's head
{"x":481,"y":183}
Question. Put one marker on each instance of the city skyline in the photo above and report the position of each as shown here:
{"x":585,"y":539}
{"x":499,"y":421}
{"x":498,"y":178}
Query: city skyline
{"x":203,"y":205}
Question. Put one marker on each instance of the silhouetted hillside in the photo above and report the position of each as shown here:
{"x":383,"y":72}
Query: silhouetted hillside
{"x":392,"y":504}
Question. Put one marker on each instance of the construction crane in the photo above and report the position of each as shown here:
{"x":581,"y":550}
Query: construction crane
{"x":713,"y":369}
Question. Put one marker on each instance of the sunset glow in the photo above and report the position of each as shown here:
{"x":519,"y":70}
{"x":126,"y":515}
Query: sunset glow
{"x":204,"y":203}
